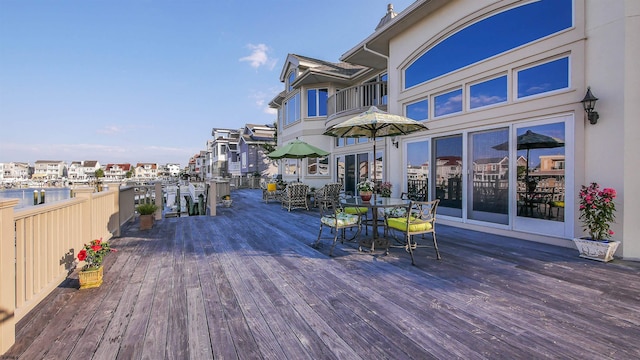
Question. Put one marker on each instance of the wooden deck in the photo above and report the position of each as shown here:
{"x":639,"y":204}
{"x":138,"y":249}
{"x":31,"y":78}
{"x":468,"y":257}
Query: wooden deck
{"x":246,"y":284}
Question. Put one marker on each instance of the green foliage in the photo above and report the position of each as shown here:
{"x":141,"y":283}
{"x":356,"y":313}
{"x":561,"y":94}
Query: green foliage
{"x":146,"y":209}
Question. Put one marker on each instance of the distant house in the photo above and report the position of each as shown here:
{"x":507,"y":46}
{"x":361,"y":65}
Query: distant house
{"x":197,"y":165}
{"x":168,"y":170}
{"x":16,"y":171}
{"x":146,"y":171}
{"x":83,"y":170}
{"x":253,"y":157}
{"x":116,"y":171}
{"x":49,"y":170}
{"x":223,"y":154}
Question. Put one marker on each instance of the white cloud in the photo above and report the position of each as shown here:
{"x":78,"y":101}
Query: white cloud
{"x":109,"y":130}
{"x":259,"y":56}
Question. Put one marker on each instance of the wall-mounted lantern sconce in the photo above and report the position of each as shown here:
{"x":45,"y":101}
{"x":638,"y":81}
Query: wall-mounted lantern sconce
{"x":589,"y":103}
{"x":394,"y":142}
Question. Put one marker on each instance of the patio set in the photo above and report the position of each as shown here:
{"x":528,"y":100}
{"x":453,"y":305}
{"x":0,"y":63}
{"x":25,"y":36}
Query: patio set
{"x":400,"y":218}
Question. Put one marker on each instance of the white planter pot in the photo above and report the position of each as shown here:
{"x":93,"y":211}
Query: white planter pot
{"x":596,"y":250}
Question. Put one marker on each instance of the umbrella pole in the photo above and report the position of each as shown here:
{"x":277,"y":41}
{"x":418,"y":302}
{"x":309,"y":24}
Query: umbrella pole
{"x":375,"y":170}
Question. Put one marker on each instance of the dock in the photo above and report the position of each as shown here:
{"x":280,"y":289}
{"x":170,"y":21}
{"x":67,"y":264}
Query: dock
{"x":246,"y":284}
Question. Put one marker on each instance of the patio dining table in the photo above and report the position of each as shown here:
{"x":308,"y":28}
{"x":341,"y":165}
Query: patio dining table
{"x":375,"y":204}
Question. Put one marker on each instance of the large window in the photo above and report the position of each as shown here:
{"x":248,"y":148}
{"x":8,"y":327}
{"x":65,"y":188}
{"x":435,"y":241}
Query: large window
{"x":489,"y":195}
{"x":448,"y":175}
{"x":488,"y":92}
{"x":418,"y":110}
{"x":290,"y":79}
{"x":417,"y":165}
{"x":549,"y":76}
{"x":491,"y":36}
{"x":540,"y":171}
{"x":449,"y":103}
{"x":292,"y":109}
{"x":317,"y":102}
{"x":318,"y":166}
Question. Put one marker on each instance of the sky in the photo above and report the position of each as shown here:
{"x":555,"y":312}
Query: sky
{"x":129,"y":81}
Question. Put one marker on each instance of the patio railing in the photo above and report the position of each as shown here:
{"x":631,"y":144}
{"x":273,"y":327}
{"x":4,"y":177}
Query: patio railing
{"x":39,"y":244}
{"x":357,"y":98}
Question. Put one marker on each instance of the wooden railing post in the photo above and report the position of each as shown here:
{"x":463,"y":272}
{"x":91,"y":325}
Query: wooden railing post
{"x":8,"y":278}
{"x":212,"y":198}
{"x":159,"y":201}
{"x":116,"y":206}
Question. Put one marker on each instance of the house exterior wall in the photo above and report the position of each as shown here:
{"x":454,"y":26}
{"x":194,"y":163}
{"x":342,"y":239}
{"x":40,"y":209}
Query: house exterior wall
{"x":602,"y":47}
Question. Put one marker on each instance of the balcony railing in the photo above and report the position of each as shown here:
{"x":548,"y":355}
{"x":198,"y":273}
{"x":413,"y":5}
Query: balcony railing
{"x":357,"y":97}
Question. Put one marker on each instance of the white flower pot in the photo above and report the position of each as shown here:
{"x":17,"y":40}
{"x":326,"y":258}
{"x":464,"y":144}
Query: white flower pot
{"x":596,"y":250}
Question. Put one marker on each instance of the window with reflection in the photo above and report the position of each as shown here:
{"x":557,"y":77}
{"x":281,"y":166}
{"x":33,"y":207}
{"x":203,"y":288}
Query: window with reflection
{"x":418,"y":110}
{"x":318,"y":166}
{"x":448,"y":174}
{"x":317,"y":102}
{"x":488,"y":92}
{"x":489,"y":196}
{"x":543,"y":78}
{"x":540,"y":171}
{"x":340,"y":169}
{"x":449,"y":103}
{"x":491,"y":36}
{"x":363,"y":167}
{"x":378,"y":166}
{"x":290,"y":166}
{"x":417,"y":168}
{"x":292,"y":109}
{"x":290,"y":80}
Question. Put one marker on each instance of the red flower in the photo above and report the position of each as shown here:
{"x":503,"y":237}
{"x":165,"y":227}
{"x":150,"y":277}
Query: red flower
{"x":96,"y":248}
{"x":82,"y":255}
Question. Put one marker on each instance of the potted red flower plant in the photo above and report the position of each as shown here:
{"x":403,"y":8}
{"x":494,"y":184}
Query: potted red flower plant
{"x":93,"y":254}
{"x":597,"y":212}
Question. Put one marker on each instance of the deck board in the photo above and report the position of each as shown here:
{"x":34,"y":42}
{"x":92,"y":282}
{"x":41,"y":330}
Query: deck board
{"x":246,"y":284}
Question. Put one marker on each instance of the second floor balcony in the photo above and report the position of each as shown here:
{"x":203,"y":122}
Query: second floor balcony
{"x":357,"y":99}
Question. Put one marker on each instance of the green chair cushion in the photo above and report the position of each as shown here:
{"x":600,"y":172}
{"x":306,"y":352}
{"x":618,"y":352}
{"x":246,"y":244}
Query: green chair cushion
{"x":356,"y":210}
{"x":395,"y":212}
{"x":342,"y":219}
{"x":414,"y":225}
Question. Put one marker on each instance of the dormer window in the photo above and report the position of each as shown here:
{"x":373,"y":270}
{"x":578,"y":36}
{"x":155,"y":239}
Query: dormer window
{"x":290,"y":79}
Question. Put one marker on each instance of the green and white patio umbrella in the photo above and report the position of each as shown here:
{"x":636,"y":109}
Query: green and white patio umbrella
{"x":297,"y":149}
{"x":375,"y":123}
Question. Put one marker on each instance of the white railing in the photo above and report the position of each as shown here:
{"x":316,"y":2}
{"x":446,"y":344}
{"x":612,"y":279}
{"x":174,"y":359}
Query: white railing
{"x":357,"y":98}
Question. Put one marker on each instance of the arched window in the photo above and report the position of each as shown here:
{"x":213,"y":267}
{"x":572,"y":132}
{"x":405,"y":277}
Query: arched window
{"x":489,"y":37}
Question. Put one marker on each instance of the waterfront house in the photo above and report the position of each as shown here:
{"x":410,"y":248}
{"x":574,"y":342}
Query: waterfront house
{"x":83,"y":170}
{"x":251,"y":148}
{"x":14,"y":171}
{"x":479,"y":74}
{"x":146,"y":171}
{"x":49,"y":170}
{"x":306,"y":104}
{"x":223,"y":153}
{"x":116,"y":171}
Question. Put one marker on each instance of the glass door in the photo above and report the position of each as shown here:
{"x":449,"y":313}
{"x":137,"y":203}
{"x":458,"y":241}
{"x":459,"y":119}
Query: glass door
{"x":488,"y":198}
{"x":417,"y":165}
{"x":448,"y":175}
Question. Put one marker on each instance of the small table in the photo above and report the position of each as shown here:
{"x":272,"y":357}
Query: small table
{"x":374,"y":204}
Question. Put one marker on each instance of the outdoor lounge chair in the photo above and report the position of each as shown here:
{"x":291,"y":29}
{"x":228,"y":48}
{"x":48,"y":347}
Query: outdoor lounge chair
{"x":332,"y":215}
{"x":328,"y":193}
{"x":295,"y":196}
{"x":419,"y":219}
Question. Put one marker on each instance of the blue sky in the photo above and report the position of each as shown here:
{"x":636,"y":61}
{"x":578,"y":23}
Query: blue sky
{"x":147,"y":80}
